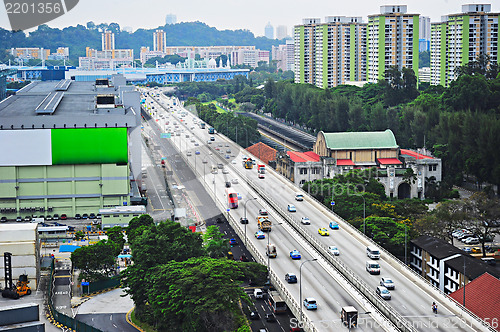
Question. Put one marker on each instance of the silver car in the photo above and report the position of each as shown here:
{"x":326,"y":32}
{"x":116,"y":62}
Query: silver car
{"x":383,"y":292}
{"x":387,"y":283}
{"x":334,"y":250}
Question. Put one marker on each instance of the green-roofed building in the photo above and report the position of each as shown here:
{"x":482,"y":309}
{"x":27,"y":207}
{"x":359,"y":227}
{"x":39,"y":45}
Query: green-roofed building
{"x":361,"y":148}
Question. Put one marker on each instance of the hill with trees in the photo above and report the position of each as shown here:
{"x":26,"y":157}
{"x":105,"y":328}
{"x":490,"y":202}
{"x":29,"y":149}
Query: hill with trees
{"x":77,"y":38}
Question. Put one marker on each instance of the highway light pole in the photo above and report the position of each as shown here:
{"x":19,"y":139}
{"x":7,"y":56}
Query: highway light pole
{"x":364,"y":214}
{"x":246,"y":220}
{"x":300,"y":286}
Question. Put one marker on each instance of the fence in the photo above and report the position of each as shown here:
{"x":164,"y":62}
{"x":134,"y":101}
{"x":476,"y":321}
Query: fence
{"x":68,"y":323}
{"x":100,"y":285}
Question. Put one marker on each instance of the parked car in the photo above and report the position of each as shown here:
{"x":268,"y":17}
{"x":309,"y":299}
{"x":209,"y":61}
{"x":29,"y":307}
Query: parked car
{"x":310,"y":303}
{"x":383,"y":292}
{"x":295,"y":254}
{"x":85,"y":216}
{"x":55,"y":216}
{"x":19,"y":218}
{"x":64,"y":216}
{"x":78,"y":216}
{"x":48,"y":217}
{"x":334,"y":225}
{"x":305,"y":221}
{"x":467,"y":249}
{"x":92,"y":216}
{"x":472,"y":240}
{"x":291,"y":278}
{"x":323,"y":232}
{"x":334,"y":250}
{"x":387,"y":283}
{"x":3,"y":219}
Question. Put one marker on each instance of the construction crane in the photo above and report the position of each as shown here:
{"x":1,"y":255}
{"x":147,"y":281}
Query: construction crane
{"x":21,"y":288}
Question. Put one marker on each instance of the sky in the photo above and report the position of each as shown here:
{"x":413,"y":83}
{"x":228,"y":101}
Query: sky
{"x":238,"y":14}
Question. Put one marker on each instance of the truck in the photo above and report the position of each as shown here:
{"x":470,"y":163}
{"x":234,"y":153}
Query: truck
{"x":271,"y":251}
{"x":264,"y":223}
{"x":248,"y":163}
{"x":211,"y":130}
{"x":349,"y":316}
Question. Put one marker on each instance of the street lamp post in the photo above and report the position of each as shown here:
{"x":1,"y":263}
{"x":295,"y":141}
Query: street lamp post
{"x":246,"y":220}
{"x":300,"y":286}
{"x":364,"y":214}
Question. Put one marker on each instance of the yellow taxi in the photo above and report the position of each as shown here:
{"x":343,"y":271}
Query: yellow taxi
{"x":323,"y":232}
{"x":476,"y":250}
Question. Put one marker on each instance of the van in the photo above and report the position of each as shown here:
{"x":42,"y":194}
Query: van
{"x":372,"y":252}
{"x":372,"y":267}
{"x":258,"y":293}
{"x":299,"y":197}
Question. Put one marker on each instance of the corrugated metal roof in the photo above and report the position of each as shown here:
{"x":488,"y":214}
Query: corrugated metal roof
{"x":389,"y":161}
{"x":361,"y":140}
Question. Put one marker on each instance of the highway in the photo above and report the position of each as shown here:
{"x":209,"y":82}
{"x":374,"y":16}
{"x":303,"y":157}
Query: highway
{"x":320,"y":279}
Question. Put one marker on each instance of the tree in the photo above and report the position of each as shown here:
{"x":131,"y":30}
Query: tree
{"x":79,"y":235}
{"x":91,"y":25}
{"x":115,"y":236}
{"x":95,"y":261}
{"x":215,"y":244}
{"x":137,"y":224}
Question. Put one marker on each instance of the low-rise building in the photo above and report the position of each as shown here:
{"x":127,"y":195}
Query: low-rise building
{"x":444,"y":265}
{"x":300,"y":167}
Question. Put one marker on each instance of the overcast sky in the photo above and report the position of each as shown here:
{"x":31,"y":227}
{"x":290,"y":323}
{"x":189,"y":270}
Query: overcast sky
{"x":238,"y":14}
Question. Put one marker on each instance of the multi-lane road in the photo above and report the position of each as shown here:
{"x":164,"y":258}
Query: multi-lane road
{"x":410,"y":300}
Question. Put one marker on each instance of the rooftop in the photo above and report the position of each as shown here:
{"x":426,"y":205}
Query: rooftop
{"x":481,"y":297}
{"x":263,"y":152}
{"x":300,"y":157}
{"x":436,"y":247}
{"x":360,"y":140}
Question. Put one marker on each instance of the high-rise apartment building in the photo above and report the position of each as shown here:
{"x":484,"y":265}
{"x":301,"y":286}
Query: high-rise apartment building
{"x":460,"y":38}
{"x":159,"y":41}
{"x":108,"y":40}
{"x":281,"y":32}
{"x":392,"y":40}
{"x":284,"y":55}
{"x":269,"y":31}
{"x":424,"y":31}
{"x":330,"y":53}
{"x":171,"y":19}
{"x":304,"y":41}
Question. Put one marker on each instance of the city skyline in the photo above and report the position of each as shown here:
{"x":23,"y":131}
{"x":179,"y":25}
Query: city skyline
{"x":223,"y":14}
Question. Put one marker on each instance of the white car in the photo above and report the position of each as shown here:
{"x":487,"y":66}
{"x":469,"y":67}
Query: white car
{"x":334,"y":250}
{"x":234,"y":181}
{"x":305,"y":221}
{"x":225,"y":171}
{"x":387,"y":283}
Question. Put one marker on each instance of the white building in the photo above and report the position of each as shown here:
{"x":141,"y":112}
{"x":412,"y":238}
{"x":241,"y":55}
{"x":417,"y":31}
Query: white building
{"x":284,"y":54}
{"x":281,"y":32}
{"x":249,"y":57}
{"x":171,"y":19}
{"x":269,"y":31}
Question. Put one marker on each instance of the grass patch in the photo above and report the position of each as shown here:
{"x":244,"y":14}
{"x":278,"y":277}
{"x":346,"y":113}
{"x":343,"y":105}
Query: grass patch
{"x":219,"y":110}
{"x":144,"y":326}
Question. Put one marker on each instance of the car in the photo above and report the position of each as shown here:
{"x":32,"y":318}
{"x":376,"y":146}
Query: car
{"x":204,"y":161}
{"x":225,"y":171}
{"x":334,"y":225}
{"x":227,"y":156}
{"x":189,"y":154}
{"x":27,"y":218}
{"x":254,"y":315}
{"x":310,"y":303}
{"x":228,"y":151}
{"x":472,"y":240}
{"x":323,"y":232}
{"x":233,"y":162}
{"x":85,"y":216}
{"x":3,"y":219}
{"x":476,"y":250}
{"x":217,"y":149}
{"x":291,"y":208}
{"x":48,"y":217}
{"x":243,"y":258}
{"x":334,"y":250}
{"x":387,"y":283}
{"x":19,"y":218}
{"x":227,"y":145}
{"x":64,"y":216}
{"x":467,"y":249}
{"x":244,"y":220}
{"x":234,"y":181}
{"x":263,"y":212}
{"x":55,"y":216}
{"x":260,"y":235}
{"x":239,"y":196}
{"x":232,"y":241}
{"x":258,"y":293}
{"x":291,"y":278}
{"x":228,"y":184}
{"x":305,"y":221}
{"x":92,"y":216}
{"x":295,"y":254}
{"x":383,"y":292}
{"x":197,"y":152}
{"x":270,"y":317}
{"x":261,"y":176}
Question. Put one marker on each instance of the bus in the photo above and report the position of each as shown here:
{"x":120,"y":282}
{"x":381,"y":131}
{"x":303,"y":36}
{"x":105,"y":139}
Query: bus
{"x":232,"y":198}
{"x":276,"y":302}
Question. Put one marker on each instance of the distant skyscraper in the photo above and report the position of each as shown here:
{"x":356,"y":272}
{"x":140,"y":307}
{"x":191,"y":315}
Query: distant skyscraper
{"x":171,"y":19}
{"x":424,"y":28}
{"x":281,"y":32}
{"x":159,"y":41}
{"x":269,"y":31}
{"x":108,"y":40}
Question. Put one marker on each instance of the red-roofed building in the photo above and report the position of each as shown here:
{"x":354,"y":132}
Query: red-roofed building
{"x":300,"y":167}
{"x":482,"y":296}
{"x":263,"y":152}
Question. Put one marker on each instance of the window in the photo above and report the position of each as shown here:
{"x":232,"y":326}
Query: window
{"x":106,"y":216}
{"x":116,"y":216}
{"x":432,"y":167}
{"x":303,"y":170}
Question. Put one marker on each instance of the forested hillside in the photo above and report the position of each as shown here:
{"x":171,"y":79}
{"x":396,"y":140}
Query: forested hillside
{"x":78,"y":37}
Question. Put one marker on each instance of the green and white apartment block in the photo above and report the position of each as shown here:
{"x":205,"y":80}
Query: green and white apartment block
{"x":69,"y":147}
{"x":344,"y":50}
{"x":460,"y":38}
